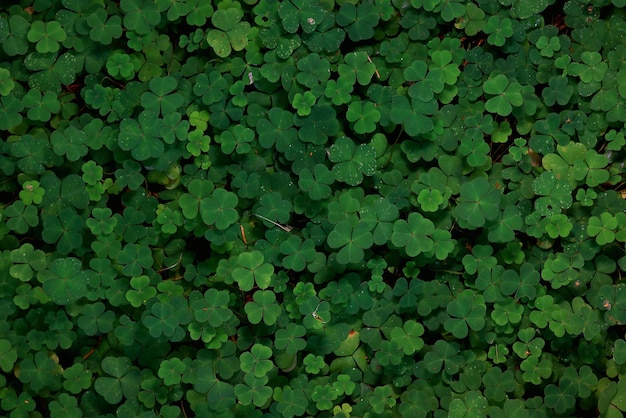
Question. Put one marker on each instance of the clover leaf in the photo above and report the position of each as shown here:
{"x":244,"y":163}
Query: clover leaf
{"x":263,"y":307}
{"x":498,"y":384}
{"x":121,"y":380}
{"x":602,"y":228}
{"x":47,"y":35}
{"x":364,"y":115}
{"x":295,"y":14}
{"x":467,"y":312}
{"x":253,"y":271}
{"x":161,"y":97}
{"x":414,"y":234}
{"x":162,"y":319}
{"x":141,"y":137}
{"x":66,"y":281}
{"x":219,"y":209}
{"x":290,"y":338}
{"x":499,"y":29}
{"x":413,"y":115}
{"x":352,"y":161}
{"x":95,"y":319}
{"x":41,"y":107}
{"x":256,"y":361}
{"x":316,"y":182}
{"x":356,"y":67}
{"x":303,"y":103}
{"x":297,"y":253}
{"x":409,"y":337}
{"x":506,"y":95}
{"x":352,"y":239}
{"x":478,"y":203}
{"x":104,"y":28}
{"x":253,"y":391}
{"x":135,"y":258}
{"x":359,"y":21}
{"x":39,"y":372}
{"x":230,"y":33}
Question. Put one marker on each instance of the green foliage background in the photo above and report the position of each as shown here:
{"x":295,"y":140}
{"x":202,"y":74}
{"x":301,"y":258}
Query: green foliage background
{"x":323,"y":208}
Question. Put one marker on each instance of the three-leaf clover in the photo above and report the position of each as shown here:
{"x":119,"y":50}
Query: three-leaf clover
{"x":413,"y":234}
{"x":352,"y":239}
{"x":47,"y":35}
{"x":352,"y":162}
{"x":506,"y":95}
{"x":257,"y":361}
{"x":263,"y":307}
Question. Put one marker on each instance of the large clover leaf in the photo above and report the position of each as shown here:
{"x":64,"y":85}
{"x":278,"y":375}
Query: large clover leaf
{"x":66,"y":281}
{"x":467,"y":312}
{"x":506,"y":95}
{"x":121,"y":380}
{"x":479,"y":202}
{"x":231,"y":33}
{"x":219,"y":209}
{"x":141,"y":137}
{"x":352,"y":161}
{"x":352,"y":239}
{"x":414,"y":234}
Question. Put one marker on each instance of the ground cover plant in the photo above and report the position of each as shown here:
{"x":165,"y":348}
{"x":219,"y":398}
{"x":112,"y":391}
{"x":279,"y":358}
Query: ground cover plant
{"x":329,"y":208}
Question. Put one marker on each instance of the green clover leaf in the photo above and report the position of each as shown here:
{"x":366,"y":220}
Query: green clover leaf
{"x":409,"y":337}
{"x":352,"y":162}
{"x":303,"y":103}
{"x":76,"y":378}
{"x":212,"y":307}
{"x":141,"y":291}
{"x":41,"y":107}
{"x":359,"y":21}
{"x":6,"y":82}
{"x":162,"y":319}
{"x":602,"y":228}
{"x":95,"y":319}
{"x":47,"y":36}
{"x":161,"y":97}
{"x":365,"y":115}
{"x":254,"y":390}
{"x":506,"y":94}
{"x":231,"y":34}
{"x":13,"y":33}
{"x":253,"y":271}
{"x":317,"y":182}
{"x":66,"y":282}
{"x":413,"y":115}
{"x":142,"y":136}
{"x":413,"y":234}
{"x":64,"y":229}
{"x":290,"y":338}
{"x":297,"y":253}
{"x":104,"y":30}
{"x":467,"y":312}
{"x":135,"y":258}
{"x":122,"y":379}
{"x":32,"y":192}
{"x":263,"y":307}
{"x":257,"y":361}
{"x":356,"y":67}
{"x":171,"y":371}
{"x":140,"y":16}
{"x":498,"y":384}
{"x":219,"y":209}
{"x":39,"y":372}
{"x":479,"y":202}
{"x":352,"y":239}
{"x":499,"y":29}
